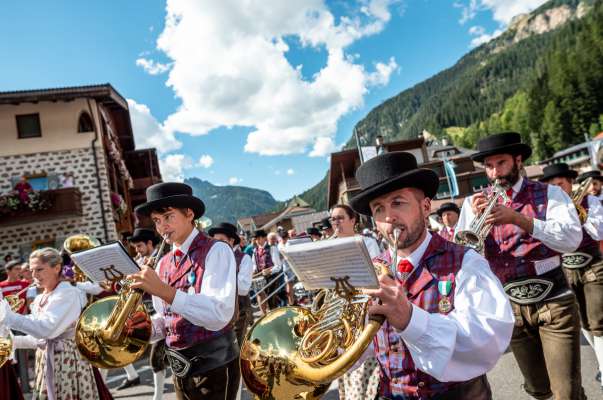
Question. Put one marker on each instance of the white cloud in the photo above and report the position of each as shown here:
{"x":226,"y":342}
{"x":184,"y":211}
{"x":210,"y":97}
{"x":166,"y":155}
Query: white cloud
{"x":206,"y":161}
{"x":233,"y":180}
{"x":152,"y":67}
{"x":148,"y":132}
{"x":228,"y":67}
{"x":481,"y":36}
{"x":503,"y":11}
{"x":290,"y":171}
{"x":173,"y":166}
{"x":322,"y":147}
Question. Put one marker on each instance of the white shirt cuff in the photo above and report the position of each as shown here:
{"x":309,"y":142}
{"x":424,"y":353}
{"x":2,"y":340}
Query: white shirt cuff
{"x":417,"y":326}
{"x":538,"y":231}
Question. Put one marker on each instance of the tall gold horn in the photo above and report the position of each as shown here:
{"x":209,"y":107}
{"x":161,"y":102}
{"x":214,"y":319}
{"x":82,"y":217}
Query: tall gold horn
{"x":115,"y":331}
{"x":293,"y":353}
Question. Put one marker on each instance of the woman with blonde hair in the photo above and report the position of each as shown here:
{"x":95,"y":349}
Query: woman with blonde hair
{"x":61,"y":373}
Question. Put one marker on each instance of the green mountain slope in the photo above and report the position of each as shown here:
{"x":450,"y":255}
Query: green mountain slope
{"x":228,"y":203}
{"x":541,"y":77}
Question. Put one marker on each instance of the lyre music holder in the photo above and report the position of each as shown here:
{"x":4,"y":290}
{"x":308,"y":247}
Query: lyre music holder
{"x":344,"y":288}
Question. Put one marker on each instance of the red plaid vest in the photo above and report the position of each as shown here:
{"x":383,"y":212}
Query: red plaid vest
{"x":262,"y":256}
{"x":510,"y":250}
{"x":182,"y":334}
{"x":399,"y":377}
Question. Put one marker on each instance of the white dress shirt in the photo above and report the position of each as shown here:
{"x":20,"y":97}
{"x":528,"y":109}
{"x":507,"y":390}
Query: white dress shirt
{"x":211,"y":308}
{"x":468,"y":341}
{"x":594,"y":222}
{"x":244,"y":276}
{"x":51,"y":315}
{"x":561,"y":231}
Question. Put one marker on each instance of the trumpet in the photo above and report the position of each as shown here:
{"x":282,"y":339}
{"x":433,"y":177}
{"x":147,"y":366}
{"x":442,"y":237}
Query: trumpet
{"x":475,"y":236}
{"x":115,"y":331}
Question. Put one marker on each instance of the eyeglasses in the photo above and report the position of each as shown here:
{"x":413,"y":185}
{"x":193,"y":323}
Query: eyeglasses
{"x":338,"y":218}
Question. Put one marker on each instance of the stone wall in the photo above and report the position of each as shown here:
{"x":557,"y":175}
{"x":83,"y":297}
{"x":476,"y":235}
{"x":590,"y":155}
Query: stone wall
{"x":18,"y":239}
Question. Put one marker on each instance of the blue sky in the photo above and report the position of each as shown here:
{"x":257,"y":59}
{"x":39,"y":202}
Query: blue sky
{"x":256,"y":96}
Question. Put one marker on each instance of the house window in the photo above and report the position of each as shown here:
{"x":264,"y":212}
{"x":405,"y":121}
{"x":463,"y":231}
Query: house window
{"x":28,"y":126}
{"x":84,"y":123}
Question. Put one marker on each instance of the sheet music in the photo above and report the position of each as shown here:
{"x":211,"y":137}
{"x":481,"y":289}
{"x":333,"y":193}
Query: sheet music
{"x":108,"y":262}
{"x":316,"y":263}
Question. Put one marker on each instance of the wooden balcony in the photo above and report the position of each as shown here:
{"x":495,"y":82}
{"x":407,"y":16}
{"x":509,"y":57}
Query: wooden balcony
{"x":64,"y":203}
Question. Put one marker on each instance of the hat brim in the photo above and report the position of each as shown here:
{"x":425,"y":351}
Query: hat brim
{"x":582,"y":178}
{"x":213,"y":231}
{"x":565,"y":174}
{"x":421,"y":178}
{"x":176,"y":201}
{"x":441,"y":210}
{"x":516,"y":148}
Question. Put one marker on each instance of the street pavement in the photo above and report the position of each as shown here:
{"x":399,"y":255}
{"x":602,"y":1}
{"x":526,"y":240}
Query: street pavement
{"x":505,"y":380}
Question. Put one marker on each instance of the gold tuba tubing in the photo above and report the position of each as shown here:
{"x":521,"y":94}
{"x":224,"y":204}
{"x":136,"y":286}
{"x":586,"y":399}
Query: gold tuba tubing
{"x":577,"y":197}
{"x":6,"y":348}
{"x":115,"y":331}
{"x":75,"y":243}
{"x":280,"y":361}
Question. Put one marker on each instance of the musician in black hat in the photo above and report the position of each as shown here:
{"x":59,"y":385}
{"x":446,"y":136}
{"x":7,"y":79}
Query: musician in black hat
{"x":326,"y":228}
{"x":227,"y":232}
{"x":264,"y":263}
{"x":584,"y":267}
{"x":595,"y":185}
{"x":447,"y":317}
{"x":314,"y":233}
{"x":449,"y":213}
{"x":533,"y":224}
{"x":194,"y":294}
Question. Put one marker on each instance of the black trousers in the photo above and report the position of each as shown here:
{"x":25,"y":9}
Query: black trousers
{"x":217,"y":384}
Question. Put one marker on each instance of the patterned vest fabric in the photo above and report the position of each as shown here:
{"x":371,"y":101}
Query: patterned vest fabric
{"x":445,"y":233}
{"x":238,"y":255}
{"x":510,"y":250}
{"x":399,"y":376}
{"x":262,"y":256}
{"x":181,"y":333}
{"x":588,"y":244}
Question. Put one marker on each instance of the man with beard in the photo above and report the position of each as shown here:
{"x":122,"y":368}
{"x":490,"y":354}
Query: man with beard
{"x":448,"y":320}
{"x":529,"y":234}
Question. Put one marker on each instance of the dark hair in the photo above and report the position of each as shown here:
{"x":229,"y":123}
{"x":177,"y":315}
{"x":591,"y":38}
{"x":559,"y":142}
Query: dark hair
{"x":348,"y":210}
{"x":12,"y":264}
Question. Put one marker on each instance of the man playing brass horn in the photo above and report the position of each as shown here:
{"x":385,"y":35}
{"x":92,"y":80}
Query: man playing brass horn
{"x":194,"y":292}
{"x":584,"y":267}
{"x":447,"y":317}
{"x":523,"y":248}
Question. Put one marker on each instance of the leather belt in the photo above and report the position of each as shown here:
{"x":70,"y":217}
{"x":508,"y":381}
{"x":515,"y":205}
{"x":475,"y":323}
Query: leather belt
{"x":203,"y":356}
{"x":536,"y":288}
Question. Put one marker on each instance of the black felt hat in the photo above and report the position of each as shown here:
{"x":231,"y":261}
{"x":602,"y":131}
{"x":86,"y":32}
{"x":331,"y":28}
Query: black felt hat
{"x":260,"y":233}
{"x":313,"y":231}
{"x":388,"y":172}
{"x":143,"y":235}
{"x":325,"y":224}
{"x":558,"y":170}
{"x":226,"y":229}
{"x":448,"y":207}
{"x":590,"y":174}
{"x":171,"y":194}
{"x":501,"y":143}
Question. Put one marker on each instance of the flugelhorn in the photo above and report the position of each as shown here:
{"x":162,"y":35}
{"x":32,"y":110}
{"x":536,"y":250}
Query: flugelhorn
{"x":115,"y":331}
{"x":15,"y":301}
{"x":475,"y":236}
{"x":293,"y":353}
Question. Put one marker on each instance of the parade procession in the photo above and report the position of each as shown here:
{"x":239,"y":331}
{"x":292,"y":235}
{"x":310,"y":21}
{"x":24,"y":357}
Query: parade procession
{"x":286,"y":200}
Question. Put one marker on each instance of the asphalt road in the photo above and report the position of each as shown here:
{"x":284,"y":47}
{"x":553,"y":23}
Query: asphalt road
{"x":505,"y":380}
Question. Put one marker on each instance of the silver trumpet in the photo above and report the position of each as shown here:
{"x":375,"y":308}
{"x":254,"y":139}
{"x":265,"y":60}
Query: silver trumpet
{"x":475,"y":236}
